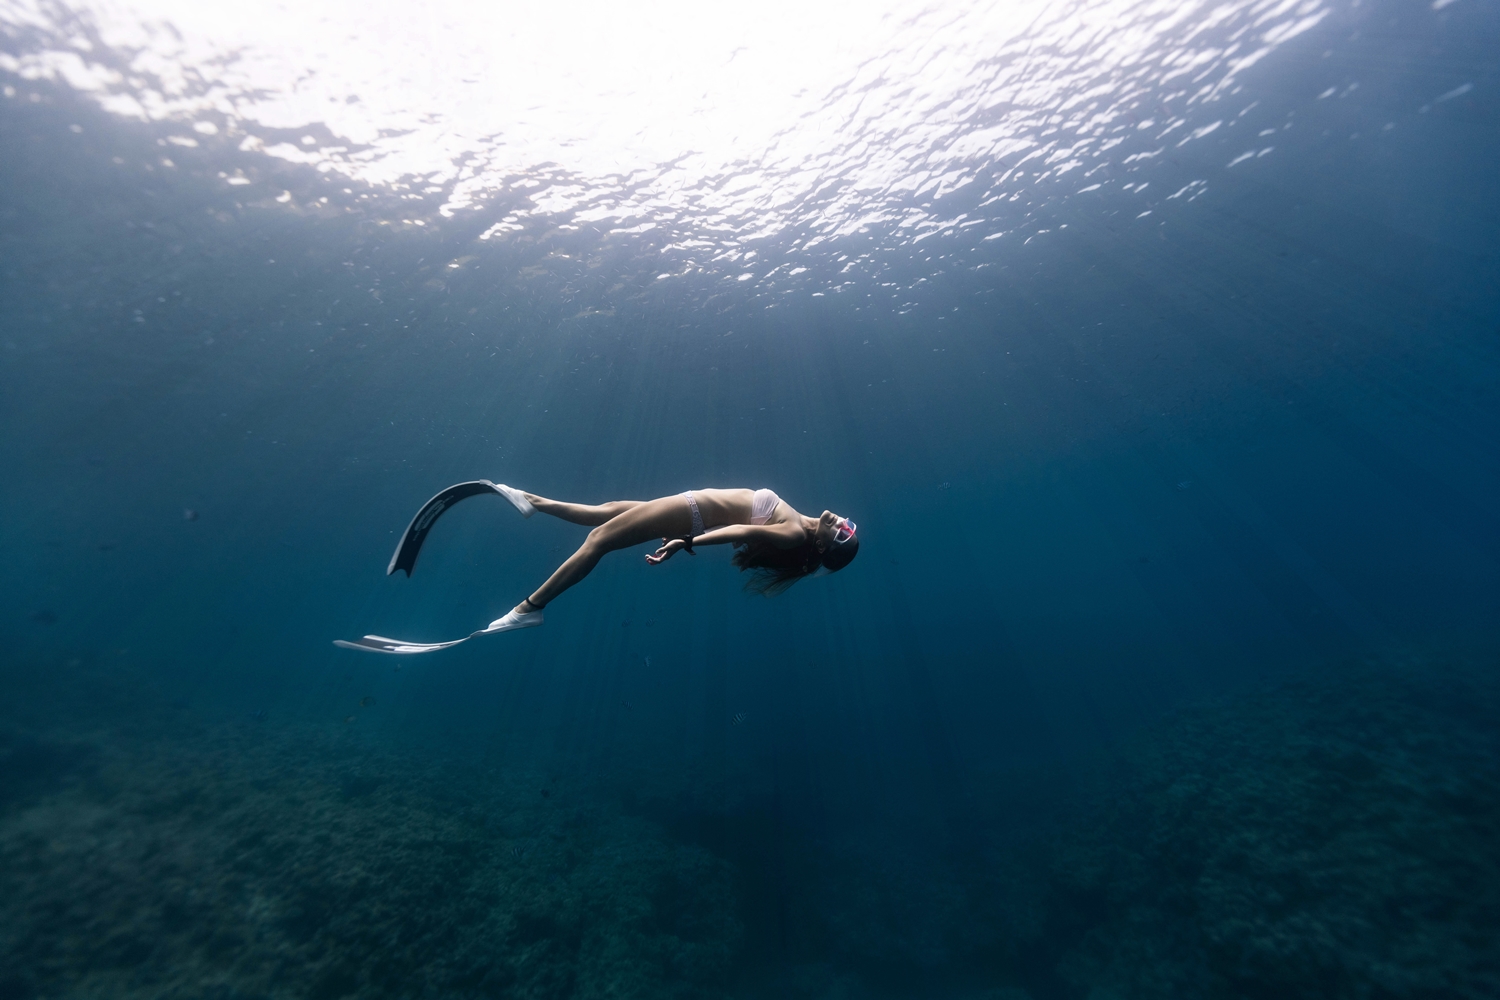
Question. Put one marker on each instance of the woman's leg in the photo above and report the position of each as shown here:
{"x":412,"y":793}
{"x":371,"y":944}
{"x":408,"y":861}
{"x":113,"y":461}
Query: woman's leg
{"x":579,"y":513}
{"x":642,"y":521}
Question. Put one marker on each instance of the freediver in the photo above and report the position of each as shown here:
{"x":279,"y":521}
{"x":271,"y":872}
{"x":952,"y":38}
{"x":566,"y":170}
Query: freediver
{"x":772,"y":539}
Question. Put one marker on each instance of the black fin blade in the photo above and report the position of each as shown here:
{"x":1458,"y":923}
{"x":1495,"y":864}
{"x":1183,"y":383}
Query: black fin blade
{"x":416,"y":532}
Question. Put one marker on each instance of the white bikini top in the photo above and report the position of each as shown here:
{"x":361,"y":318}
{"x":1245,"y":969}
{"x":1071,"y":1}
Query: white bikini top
{"x":763,"y":505}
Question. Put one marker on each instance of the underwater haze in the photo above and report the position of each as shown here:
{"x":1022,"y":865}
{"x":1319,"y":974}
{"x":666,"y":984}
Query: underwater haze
{"x":1153,"y":346}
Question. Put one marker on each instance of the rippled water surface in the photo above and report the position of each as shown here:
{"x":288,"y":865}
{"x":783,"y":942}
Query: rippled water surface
{"x":741,"y":143}
{"x":1153,"y":347}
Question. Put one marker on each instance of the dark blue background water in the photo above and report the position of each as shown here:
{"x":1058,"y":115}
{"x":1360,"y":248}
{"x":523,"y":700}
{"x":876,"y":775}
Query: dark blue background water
{"x":1122,"y":468}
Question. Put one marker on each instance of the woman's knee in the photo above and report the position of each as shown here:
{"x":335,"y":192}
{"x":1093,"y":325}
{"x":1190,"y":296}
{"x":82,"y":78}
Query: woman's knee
{"x":607,"y":537}
{"x":594,"y":546}
{"x":615,"y":508}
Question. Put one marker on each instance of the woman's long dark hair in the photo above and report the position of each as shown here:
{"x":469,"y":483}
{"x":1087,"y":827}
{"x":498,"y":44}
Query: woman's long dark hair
{"x":774,"y":570}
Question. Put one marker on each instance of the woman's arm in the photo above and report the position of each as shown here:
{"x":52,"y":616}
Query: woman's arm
{"x":783,"y":536}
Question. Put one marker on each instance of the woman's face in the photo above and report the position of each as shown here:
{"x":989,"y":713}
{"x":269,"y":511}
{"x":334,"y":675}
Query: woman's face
{"x":828,"y":523}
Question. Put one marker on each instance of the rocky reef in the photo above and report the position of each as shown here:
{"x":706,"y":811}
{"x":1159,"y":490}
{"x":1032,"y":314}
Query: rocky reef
{"x":1337,"y":837}
{"x":1334,"y":837}
{"x":258,"y":864}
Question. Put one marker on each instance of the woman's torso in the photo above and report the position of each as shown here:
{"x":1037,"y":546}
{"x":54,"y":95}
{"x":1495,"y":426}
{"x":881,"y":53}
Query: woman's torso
{"x":720,"y":507}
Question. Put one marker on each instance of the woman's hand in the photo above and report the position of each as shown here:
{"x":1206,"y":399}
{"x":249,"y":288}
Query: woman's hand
{"x":669,"y":546}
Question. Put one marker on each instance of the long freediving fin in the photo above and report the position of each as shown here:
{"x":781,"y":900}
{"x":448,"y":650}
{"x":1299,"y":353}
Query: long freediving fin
{"x":380,"y":644}
{"x":405,"y":556}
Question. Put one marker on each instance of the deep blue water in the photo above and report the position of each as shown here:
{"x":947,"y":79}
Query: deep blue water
{"x":1127,"y":472}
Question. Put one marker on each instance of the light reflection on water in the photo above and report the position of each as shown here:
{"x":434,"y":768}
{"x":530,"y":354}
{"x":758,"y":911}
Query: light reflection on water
{"x":739,"y":142}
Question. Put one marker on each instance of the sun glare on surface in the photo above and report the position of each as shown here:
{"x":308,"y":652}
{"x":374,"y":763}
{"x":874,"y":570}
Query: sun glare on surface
{"x":688,"y":116}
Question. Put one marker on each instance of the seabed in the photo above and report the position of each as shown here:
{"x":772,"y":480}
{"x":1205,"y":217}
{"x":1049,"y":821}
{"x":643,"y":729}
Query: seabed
{"x":1338,"y":838}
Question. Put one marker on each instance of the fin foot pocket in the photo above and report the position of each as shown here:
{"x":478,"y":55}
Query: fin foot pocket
{"x":517,"y":498}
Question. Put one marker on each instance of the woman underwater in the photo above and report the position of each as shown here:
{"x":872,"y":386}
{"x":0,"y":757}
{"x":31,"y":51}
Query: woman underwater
{"x":778,"y":544}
